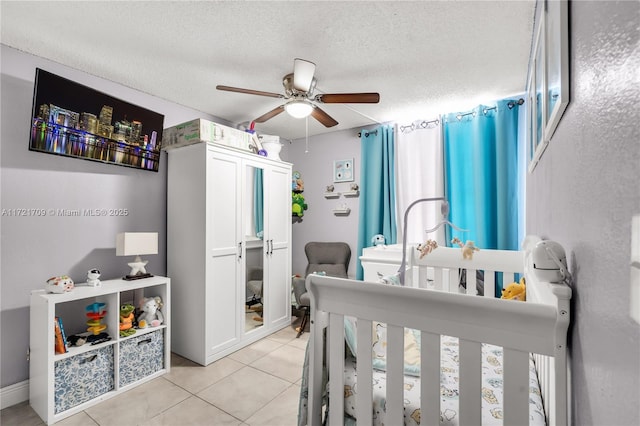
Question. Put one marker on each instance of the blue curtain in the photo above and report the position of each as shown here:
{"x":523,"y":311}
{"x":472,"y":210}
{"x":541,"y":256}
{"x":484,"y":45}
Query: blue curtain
{"x":258,"y":203}
{"x":377,"y":189}
{"x":482,"y":175}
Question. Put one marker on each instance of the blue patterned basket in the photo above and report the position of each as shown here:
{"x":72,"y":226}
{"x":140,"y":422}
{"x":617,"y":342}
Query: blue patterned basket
{"x":83,"y":377}
{"x":141,"y":356}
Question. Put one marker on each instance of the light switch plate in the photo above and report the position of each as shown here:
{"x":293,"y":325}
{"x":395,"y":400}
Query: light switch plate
{"x":635,"y":269}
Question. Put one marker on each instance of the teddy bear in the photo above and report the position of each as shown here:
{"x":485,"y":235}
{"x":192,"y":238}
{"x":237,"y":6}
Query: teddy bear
{"x":427,"y":247}
{"x":151,"y":314}
{"x":515,"y":291}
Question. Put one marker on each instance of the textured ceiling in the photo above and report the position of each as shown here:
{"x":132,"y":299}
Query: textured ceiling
{"x":422,"y":57}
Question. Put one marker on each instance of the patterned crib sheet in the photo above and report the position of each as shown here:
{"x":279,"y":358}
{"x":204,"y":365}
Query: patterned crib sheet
{"x":492,"y":396}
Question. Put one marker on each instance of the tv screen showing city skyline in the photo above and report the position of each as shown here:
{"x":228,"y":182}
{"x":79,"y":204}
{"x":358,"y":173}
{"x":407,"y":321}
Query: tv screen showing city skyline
{"x":74,"y":120}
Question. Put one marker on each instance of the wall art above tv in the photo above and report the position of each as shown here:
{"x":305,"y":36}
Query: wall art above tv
{"x":74,"y":120}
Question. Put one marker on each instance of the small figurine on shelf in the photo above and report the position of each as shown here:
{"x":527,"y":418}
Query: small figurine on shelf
{"x":151,"y":314}
{"x":330,"y":188}
{"x":92,"y":278}
{"x":354,"y":187}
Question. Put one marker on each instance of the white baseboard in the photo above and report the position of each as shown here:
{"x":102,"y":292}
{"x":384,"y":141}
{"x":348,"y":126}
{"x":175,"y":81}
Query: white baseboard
{"x":14,"y":394}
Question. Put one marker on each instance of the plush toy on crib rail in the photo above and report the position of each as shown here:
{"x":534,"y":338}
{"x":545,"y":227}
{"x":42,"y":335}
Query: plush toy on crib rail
{"x":151,"y":315}
{"x":427,"y":247}
{"x":467,"y":248}
{"x":515,"y":291}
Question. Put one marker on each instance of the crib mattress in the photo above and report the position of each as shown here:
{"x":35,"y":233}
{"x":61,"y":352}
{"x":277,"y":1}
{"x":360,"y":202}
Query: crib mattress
{"x":449,"y":378}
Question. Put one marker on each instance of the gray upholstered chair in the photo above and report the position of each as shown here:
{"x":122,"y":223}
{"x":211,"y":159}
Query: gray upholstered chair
{"x":332,"y":258}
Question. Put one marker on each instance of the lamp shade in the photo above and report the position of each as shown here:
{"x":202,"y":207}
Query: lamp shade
{"x":136,"y":243}
{"x":298,"y":108}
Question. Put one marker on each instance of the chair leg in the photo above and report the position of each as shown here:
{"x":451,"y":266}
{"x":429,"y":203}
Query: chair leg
{"x":305,"y":319}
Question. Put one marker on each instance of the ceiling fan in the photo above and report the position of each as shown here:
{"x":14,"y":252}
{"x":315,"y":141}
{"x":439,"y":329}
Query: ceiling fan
{"x":300,"y":99}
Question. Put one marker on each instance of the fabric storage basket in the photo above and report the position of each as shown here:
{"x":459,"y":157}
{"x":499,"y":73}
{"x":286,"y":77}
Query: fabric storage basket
{"x":141,"y":356}
{"x":83,"y":377}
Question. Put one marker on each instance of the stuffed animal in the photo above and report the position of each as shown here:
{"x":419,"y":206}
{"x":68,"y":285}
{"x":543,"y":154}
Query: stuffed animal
{"x":76,"y":340}
{"x":151,"y":315}
{"x":378,"y":240}
{"x":515,"y":291}
{"x":467,"y":248}
{"x":297,"y":184}
{"x":59,"y":284}
{"x":126,"y":320}
{"x":427,"y":247}
{"x":298,"y":205}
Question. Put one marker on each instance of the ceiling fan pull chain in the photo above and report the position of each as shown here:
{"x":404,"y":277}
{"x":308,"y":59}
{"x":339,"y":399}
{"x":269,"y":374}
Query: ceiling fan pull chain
{"x":306,"y":120}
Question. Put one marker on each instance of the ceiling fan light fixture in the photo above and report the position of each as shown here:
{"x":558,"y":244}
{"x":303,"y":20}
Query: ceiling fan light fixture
{"x":299,"y":108}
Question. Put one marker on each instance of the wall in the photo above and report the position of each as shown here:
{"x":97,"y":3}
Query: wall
{"x":316,"y":167}
{"x":583,"y":194}
{"x":36,"y":248}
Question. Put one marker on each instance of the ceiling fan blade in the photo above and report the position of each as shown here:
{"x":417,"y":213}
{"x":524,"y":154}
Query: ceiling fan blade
{"x":303,"y":74}
{"x":249,"y":91}
{"x":270,"y":114}
{"x":323,"y":117}
{"x":348,"y":98}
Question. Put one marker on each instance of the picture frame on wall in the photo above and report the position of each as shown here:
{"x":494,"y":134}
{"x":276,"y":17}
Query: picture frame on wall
{"x":557,"y":63}
{"x":343,"y":170}
{"x":73,"y":120}
{"x":548,"y":80}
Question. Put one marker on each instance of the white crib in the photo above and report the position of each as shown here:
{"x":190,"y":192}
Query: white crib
{"x":537,"y":327}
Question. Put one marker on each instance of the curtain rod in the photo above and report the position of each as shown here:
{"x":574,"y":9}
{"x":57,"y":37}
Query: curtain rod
{"x":423,"y":125}
{"x":367,"y":133}
{"x":510,"y":105}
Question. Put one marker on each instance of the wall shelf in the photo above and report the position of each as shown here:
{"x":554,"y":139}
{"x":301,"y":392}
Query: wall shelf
{"x":331,"y":194}
{"x":342,"y":212}
{"x":354,"y":193}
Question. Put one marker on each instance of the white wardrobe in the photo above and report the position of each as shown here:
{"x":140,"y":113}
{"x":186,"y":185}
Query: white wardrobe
{"x":228,"y":223}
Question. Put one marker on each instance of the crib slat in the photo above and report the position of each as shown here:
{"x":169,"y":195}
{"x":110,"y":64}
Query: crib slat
{"x":429,"y":379}
{"x":471,"y":282}
{"x":336,"y":368}
{"x":395,"y":375}
{"x":454,"y":279}
{"x":489,"y":284}
{"x":437,"y":279}
{"x":516,"y":387}
{"x":470,"y":382}
{"x":316,"y":356}
{"x":364,"y":396}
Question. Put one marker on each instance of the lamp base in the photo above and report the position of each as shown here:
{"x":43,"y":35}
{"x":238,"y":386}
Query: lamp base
{"x":136,"y":277}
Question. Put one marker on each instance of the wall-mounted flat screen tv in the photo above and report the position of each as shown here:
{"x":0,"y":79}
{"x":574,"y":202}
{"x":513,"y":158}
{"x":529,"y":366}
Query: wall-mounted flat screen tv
{"x":74,"y":120}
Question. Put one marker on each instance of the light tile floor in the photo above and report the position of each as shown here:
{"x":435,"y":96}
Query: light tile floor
{"x":255,"y":386}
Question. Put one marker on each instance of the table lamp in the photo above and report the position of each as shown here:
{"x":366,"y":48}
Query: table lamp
{"x":136,"y":244}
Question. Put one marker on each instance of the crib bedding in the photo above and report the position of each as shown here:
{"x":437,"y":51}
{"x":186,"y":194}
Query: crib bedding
{"x":491,"y":389}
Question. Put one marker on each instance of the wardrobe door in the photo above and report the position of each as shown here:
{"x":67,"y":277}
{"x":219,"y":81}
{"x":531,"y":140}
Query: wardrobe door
{"x":224,"y":252}
{"x":278,"y":251}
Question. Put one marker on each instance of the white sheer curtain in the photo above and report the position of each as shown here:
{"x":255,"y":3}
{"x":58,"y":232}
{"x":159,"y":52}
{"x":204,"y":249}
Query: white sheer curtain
{"x":419,"y":174}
